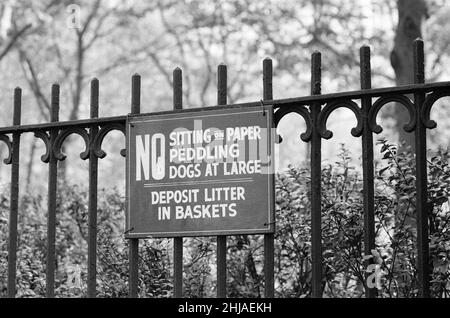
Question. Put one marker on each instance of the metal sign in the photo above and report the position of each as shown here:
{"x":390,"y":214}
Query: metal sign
{"x":200,"y":173}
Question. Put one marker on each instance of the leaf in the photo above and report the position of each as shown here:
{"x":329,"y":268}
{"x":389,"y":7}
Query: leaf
{"x":383,"y":170}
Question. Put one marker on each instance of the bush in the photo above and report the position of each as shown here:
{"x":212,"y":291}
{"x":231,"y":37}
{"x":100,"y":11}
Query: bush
{"x":342,"y":225}
{"x":344,"y":265}
{"x":71,"y":248}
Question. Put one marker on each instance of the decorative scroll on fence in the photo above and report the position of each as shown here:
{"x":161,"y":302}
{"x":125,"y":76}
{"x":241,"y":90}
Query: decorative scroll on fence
{"x":314,"y":109}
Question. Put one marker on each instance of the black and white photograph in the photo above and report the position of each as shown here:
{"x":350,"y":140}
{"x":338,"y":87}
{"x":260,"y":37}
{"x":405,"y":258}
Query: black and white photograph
{"x":225,"y":157}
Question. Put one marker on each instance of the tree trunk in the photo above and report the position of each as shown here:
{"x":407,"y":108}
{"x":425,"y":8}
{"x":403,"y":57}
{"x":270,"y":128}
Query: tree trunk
{"x":411,"y":13}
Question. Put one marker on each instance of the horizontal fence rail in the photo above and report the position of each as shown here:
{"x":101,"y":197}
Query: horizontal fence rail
{"x":438,"y":87}
{"x":314,"y":109}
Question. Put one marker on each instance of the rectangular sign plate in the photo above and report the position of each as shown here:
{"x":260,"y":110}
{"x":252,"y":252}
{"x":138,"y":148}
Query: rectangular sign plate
{"x":200,"y":173}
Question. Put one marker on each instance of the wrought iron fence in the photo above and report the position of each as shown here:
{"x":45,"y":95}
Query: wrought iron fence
{"x":315,"y":110}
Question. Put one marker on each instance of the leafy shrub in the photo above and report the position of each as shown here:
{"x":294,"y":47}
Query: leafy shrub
{"x":344,"y":261}
{"x":71,"y":248}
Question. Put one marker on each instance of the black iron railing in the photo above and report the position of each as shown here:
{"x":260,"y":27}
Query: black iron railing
{"x":315,"y":110}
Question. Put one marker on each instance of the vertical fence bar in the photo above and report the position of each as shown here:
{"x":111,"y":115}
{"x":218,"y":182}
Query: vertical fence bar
{"x":367,"y":161}
{"x":222,"y":239}
{"x":92,"y":208}
{"x":177,"y":241}
{"x":316,"y":169}
{"x":423,"y":265}
{"x":14,"y":206}
{"x":134,"y":242}
{"x":268,"y":238}
{"x":52,"y":187}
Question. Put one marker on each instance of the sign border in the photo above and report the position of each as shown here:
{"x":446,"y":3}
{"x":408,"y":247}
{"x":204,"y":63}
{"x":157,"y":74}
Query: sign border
{"x":193,"y":113}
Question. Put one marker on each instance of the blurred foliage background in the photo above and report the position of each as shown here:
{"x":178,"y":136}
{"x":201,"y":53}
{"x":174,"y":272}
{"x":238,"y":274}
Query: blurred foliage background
{"x":115,"y":39}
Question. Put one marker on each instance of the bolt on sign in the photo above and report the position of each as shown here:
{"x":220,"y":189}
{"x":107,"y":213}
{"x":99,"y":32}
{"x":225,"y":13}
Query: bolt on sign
{"x":200,"y":172}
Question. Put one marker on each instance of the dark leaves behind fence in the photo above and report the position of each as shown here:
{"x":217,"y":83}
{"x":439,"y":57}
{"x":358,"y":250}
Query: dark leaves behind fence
{"x":342,"y":222}
{"x":71,"y":248}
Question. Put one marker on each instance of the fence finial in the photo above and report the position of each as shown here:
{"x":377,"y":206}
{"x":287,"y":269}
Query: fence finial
{"x":316,"y":73}
{"x":94,"y":98}
{"x":222,"y":84}
{"x":365,"y":68}
{"x":54,"y":115}
{"x":136,"y":94}
{"x":419,"y":61}
{"x":177,"y":88}
{"x":267,"y":78}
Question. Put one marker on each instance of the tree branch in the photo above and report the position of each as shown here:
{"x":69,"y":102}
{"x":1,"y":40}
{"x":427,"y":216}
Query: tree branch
{"x":13,"y":40}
